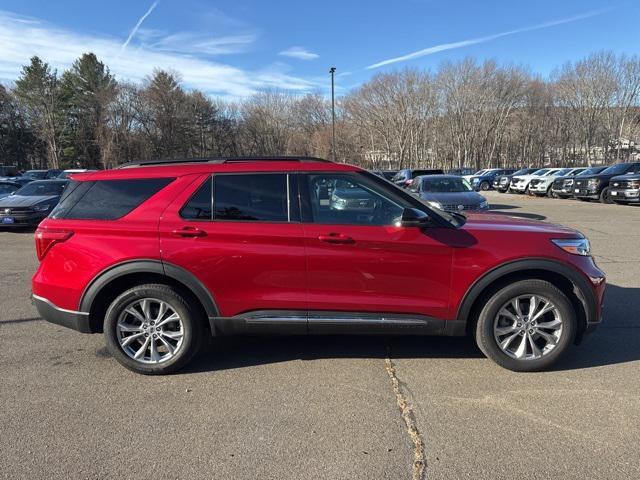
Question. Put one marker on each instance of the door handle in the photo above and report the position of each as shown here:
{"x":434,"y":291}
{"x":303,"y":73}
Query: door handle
{"x":188,"y":232}
{"x":336,"y":238}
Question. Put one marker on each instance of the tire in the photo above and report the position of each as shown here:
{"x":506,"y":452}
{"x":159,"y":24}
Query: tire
{"x":550,"y":194}
{"x":489,"y":317}
{"x":484,"y":186}
{"x":183,"y":335}
{"x":605,"y":197}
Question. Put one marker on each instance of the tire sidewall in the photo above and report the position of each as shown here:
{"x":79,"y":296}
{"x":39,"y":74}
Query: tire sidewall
{"x":190,"y":323}
{"x":484,"y":186}
{"x":604,"y":196}
{"x":484,"y":327}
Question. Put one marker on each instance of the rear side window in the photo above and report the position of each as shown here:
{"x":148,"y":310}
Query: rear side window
{"x":199,"y":207}
{"x":106,"y":199}
{"x":253,"y":197}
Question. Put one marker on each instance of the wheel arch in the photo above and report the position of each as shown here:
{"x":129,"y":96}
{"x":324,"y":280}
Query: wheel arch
{"x":571,"y":282}
{"x":114,"y":280}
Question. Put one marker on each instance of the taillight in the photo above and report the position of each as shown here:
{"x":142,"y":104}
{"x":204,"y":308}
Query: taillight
{"x":45,"y":239}
{"x":408,"y":182}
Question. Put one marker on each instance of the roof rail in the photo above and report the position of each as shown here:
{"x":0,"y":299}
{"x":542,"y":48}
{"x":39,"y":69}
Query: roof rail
{"x":168,"y":161}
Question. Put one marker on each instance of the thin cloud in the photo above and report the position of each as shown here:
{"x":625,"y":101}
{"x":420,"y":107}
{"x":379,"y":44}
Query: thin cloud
{"x":475,"y":41}
{"x":186,"y":42}
{"x":300,"y":53}
{"x":61,"y":47}
{"x":139,"y":24}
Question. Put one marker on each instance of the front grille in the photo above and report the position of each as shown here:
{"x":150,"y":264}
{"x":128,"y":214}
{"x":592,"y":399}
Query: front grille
{"x":581,"y":183}
{"x":456,"y":207}
{"x":12,"y":210}
{"x":535,"y":182}
{"x":633,"y":184}
{"x":557,"y":184}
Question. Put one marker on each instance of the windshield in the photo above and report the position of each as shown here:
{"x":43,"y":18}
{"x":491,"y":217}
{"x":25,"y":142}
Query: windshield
{"x":7,"y":188}
{"x":446,"y":185}
{"x":42,"y":189}
{"x":563,"y":172}
{"x":480,"y":172}
{"x":522,"y":171}
{"x":35,"y":174}
{"x":590,"y":171}
{"x":540,"y":172}
{"x":616,"y":169}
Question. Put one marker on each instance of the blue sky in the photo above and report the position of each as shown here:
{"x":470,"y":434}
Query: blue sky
{"x":235,"y":48}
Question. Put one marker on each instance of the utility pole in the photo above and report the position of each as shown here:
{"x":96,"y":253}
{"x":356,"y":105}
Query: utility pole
{"x":332,"y":71}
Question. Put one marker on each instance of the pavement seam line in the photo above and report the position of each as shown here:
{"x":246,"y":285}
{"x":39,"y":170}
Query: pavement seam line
{"x":407,"y":413}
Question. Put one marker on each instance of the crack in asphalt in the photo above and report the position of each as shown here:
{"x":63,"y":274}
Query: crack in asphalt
{"x":408,"y":415}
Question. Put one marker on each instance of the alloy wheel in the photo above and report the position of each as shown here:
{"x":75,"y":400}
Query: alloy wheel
{"x":527,"y":327}
{"x":150,"y":331}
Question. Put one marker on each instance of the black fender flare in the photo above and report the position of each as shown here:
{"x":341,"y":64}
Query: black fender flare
{"x":582,"y":289}
{"x":174,"y":272}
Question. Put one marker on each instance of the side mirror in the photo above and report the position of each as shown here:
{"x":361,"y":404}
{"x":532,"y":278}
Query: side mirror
{"x":412,"y":217}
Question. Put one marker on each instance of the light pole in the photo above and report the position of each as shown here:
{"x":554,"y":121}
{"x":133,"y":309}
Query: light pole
{"x":332,"y":71}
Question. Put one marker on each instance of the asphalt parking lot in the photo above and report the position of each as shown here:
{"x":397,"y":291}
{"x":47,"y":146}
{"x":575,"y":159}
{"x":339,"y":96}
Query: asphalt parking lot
{"x":327,"y":407}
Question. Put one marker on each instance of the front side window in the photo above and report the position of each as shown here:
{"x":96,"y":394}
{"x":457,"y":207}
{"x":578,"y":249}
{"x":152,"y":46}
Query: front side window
{"x":251,"y":197}
{"x":350,"y":199}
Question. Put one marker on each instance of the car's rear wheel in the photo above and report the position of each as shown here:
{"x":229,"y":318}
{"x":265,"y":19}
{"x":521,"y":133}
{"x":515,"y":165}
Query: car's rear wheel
{"x":526,"y":326}
{"x":152,"y":329}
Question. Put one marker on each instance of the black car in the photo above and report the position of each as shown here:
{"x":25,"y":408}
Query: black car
{"x":625,"y":189}
{"x":22,"y":181}
{"x":563,"y":187}
{"x":27,"y":206}
{"x":404,"y":177}
{"x":596,"y":187}
{"x":386,"y":174}
{"x":7,"y":188}
{"x":501,"y":183}
{"x":450,"y":193}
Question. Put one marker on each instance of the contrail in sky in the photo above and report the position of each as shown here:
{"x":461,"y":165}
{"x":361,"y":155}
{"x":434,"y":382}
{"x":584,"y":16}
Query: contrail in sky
{"x":135,"y":29}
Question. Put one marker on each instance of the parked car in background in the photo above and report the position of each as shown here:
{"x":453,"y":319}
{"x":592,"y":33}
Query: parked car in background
{"x":65,"y":174}
{"x":542,"y":186}
{"x":22,"y":181}
{"x":502,"y":182}
{"x":8,"y":171}
{"x":596,"y":187}
{"x":386,"y":174}
{"x":154,"y":257}
{"x":27,"y":206}
{"x":42,"y":174}
{"x":520,"y":183}
{"x":7,"y":188}
{"x":461,"y":171}
{"x":404,"y":177}
{"x":485,"y":180}
{"x":563,"y":187}
{"x":625,"y":189}
{"x":450,"y":193}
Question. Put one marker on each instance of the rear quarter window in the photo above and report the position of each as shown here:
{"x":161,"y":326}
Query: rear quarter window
{"x":106,"y":199}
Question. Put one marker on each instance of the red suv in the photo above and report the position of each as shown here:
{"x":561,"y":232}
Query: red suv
{"x":158,"y":255}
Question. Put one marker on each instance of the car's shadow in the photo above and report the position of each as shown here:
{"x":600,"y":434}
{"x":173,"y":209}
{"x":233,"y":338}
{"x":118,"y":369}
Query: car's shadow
{"x":506,"y":210}
{"x":617,"y":340}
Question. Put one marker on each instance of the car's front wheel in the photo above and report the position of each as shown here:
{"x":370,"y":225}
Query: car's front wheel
{"x":152,"y":329}
{"x":605,"y":196}
{"x":526,"y":326}
{"x":484,"y":186}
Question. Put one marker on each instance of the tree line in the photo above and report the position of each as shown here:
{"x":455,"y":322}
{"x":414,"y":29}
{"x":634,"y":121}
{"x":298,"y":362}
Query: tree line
{"x":467,"y":113}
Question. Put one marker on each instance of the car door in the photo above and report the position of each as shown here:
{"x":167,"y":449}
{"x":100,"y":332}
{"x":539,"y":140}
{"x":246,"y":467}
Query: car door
{"x":239,"y":234}
{"x":361,"y":264}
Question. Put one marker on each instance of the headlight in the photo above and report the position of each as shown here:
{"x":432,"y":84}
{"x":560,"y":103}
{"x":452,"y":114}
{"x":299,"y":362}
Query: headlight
{"x":435,"y":204}
{"x":575,"y":246}
{"x":42,"y":208}
{"x":484,"y":204}
{"x":593,"y":182}
{"x":475,"y":180}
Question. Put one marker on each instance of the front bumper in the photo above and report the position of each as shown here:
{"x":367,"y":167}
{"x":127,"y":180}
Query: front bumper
{"x":78,"y":321}
{"x":20,"y":219}
{"x":625,"y":195}
{"x":540,"y":188}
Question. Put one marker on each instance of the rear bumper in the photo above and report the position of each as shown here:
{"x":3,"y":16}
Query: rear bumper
{"x":78,"y":321}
